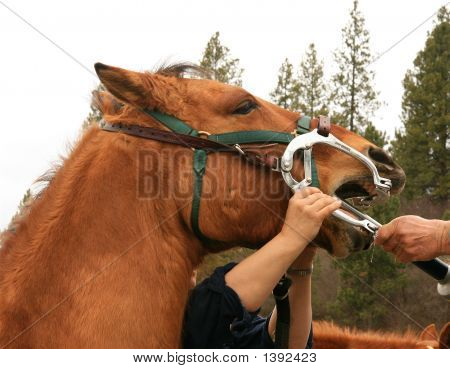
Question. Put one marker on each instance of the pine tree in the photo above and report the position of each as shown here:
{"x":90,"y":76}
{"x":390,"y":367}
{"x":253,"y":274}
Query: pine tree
{"x":285,"y":94}
{"x":353,"y":93}
{"x":364,"y":277}
{"x":94,"y":115}
{"x":375,"y":136}
{"x":217,"y":60}
{"x":422,"y":148}
{"x":24,"y":204}
{"x":310,"y":87}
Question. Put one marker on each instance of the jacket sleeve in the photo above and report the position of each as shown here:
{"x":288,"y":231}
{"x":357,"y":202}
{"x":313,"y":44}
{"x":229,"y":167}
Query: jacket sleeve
{"x":211,"y":309}
{"x":252,"y":332}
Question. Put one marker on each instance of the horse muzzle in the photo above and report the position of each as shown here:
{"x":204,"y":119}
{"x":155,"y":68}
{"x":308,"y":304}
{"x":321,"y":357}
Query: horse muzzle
{"x":305,"y":142}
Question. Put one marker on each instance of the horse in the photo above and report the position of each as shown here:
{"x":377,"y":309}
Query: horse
{"x":328,"y":335}
{"x":104,"y":255}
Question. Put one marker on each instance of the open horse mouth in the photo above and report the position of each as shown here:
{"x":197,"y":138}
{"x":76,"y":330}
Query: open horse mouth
{"x":358,"y":192}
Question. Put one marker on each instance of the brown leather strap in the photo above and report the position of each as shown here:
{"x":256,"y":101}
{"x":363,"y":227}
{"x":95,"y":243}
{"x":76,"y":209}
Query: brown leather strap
{"x":166,"y":136}
{"x":324,"y":126}
{"x":192,"y":142}
{"x":268,"y":161}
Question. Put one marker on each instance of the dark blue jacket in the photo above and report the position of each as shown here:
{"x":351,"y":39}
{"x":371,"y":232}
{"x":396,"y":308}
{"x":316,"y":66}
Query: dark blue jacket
{"x":215,"y":318}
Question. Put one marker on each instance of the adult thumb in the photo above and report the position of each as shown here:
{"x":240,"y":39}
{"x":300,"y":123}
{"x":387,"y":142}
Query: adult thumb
{"x":385,"y":232}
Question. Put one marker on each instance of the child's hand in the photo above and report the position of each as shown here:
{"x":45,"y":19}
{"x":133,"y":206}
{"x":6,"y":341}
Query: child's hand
{"x":307,"y":210}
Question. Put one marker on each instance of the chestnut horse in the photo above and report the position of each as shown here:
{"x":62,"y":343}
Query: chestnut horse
{"x":104,"y":256}
{"x":330,"y":336}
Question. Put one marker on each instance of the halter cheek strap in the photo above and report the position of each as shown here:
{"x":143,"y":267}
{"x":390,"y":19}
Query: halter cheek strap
{"x":303,"y":127}
{"x":199,"y":167}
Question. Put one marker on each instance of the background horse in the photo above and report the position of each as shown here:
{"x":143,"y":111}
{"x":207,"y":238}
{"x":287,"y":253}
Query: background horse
{"x":330,"y":336}
{"x":104,"y":256}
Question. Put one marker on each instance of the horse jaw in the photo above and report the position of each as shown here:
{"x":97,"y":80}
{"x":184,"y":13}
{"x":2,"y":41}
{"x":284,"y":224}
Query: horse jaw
{"x":340,"y":239}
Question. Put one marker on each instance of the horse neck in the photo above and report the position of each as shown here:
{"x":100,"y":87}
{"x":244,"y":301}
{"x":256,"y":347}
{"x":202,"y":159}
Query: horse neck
{"x":89,"y":237}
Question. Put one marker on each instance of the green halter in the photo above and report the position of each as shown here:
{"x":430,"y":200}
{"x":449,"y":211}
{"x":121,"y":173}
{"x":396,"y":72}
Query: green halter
{"x":238,"y":137}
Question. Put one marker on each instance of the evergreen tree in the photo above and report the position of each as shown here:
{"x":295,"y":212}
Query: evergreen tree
{"x":363,"y":277}
{"x":310,"y":87}
{"x":375,"y":136}
{"x":422,"y":148}
{"x":217,"y":60}
{"x":21,"y":209}
{"x":353,"y":93}
{"x":94,"y":115}
{"x":285,"y":94}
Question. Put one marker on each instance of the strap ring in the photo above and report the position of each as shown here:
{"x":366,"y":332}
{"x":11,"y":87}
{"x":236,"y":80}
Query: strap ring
{"x":204,"y":133}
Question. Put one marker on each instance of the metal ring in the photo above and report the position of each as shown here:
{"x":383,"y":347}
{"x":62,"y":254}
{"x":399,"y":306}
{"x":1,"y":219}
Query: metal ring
{"x":207,"y":134}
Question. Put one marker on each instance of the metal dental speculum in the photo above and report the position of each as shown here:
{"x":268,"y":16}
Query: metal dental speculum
{"x":305,"y":142}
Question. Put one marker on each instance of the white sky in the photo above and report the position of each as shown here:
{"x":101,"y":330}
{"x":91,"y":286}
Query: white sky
{"x":44,"y":95}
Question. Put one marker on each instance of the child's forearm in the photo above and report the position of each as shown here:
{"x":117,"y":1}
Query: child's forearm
{"x":254,"y":278}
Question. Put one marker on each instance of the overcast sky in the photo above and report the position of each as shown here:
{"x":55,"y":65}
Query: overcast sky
{"x":44,"y":94}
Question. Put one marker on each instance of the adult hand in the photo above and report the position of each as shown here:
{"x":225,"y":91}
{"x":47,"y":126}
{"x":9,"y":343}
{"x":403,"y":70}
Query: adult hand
{"x":412,"y":238}
{"x":306,"y":211}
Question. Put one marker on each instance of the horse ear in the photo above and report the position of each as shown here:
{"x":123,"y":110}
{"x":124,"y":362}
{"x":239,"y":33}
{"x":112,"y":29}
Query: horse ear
{"x":444,"y":337}
{"x":429,"y":333}
{"x":126,"y":85}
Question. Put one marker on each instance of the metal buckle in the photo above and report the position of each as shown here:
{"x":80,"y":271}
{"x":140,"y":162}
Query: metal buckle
{"x":305,"y":142}
{"x":324,"y":126}
{"x":239,"y":149}
{"x":277,"y":167}
{"x":204,"y":133}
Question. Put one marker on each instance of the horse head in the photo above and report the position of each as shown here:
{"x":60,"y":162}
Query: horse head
{"x":241,"y":204}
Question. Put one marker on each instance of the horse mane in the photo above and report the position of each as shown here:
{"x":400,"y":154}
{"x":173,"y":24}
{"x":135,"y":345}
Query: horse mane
{"x":330,"y":335}
{"x":182,"y":70}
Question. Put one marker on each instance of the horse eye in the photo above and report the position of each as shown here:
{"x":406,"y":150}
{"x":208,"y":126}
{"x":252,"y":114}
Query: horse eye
{"x":245,"y":107}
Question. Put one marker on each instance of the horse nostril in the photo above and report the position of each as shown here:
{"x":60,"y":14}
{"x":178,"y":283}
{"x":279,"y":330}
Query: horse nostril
{"x":381,"y":156}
